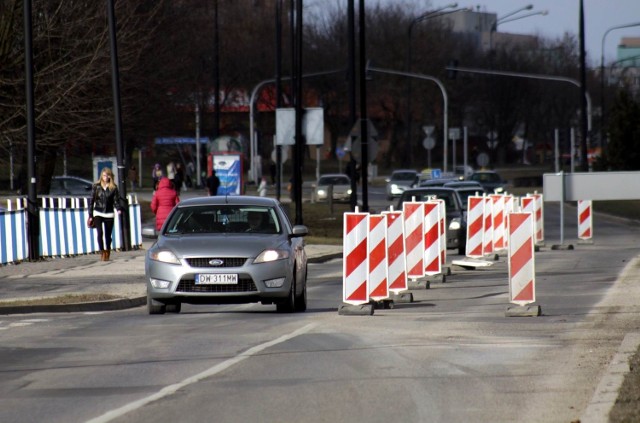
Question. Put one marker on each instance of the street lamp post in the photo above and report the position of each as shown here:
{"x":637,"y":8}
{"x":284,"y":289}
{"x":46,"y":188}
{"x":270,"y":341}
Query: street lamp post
{"x":602,"y":119}
{"x":421,"y":18}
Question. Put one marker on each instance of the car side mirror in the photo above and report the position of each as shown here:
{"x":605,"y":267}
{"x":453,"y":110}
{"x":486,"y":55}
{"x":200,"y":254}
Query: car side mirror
{"x":299,"y":230}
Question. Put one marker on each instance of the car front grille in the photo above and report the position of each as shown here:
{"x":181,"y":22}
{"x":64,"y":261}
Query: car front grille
{"x":244,"y":285}
{"x":227,"y":262}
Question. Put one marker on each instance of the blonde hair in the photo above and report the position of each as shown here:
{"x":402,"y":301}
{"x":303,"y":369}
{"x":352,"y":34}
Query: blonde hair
{"x":109,"y":173}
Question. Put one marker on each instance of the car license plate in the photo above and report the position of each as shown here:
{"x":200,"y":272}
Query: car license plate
{"x":216,"y":279}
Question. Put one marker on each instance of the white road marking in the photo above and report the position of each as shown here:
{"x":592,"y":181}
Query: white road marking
{"x":171,"y":389}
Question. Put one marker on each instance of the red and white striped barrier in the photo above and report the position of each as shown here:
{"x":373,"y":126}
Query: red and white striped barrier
{"x":413,"y":215}
{"x":510,"y":206}
{"x":585,"y":220}
{"x":488,"y":226}
{"x":443,"y":232}
{"x":356,"y":261}
{"x":432,"y":238}
{"x":539,"y":218}
{"x":521,"y":259}
{"x":498,"y":221}
{"x":377,"y":251}
{"x":396,"y":264}
{"x":475,"y":227}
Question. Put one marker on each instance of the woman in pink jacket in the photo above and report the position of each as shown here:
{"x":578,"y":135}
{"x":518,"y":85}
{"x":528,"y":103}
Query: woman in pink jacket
{"x":164,"y":198}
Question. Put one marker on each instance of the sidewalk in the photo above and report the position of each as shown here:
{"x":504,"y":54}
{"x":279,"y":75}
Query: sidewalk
{"x":94,"y":285}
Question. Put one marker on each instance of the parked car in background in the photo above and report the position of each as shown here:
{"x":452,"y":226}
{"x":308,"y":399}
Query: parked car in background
{"x":490,"y":180}
{"x":227,"y":250}
{"x":339,"y":183}
{"x":456,"y":233}
{"x":465,"y":190}
{"x":463,"y":171}
{"x":435,"y":182}
{"x":70,"y":186}
{"x":399,"y":181}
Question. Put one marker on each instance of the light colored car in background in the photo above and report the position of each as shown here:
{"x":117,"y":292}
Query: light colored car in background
{"x":338,"y":183}
{"x":227,"y":250}
{"x":400,"y":181}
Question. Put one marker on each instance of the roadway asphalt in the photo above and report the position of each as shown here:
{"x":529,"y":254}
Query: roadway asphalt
{"x":121,"y":280}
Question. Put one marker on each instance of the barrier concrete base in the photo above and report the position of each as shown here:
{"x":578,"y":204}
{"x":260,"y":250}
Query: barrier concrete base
{"x":523,"y":311}
{"x":419,"y":284}
{"x":446,"y":270}
{"x":439,"y":278}
{"x":356,"y":310}
{"x":585,"y":242}
{"x":402,"y":297}
{"x":471,"y":263}
{"x":562,"y":247}
{"x":385,"y":304}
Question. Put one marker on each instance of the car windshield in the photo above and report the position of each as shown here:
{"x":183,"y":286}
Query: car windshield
{"x":466,"y":193}
{"x":485,"y":177}
{"x":449,"y":201}
{"x":333,"y":180}
{"x":223,"y":218}
{"x":403,"y":176}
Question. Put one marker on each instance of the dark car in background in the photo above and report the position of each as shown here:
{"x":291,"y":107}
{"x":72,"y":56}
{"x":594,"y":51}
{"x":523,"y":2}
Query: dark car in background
{"x":490,"y":180}
{"x":70,"y":186}
{"x":456,"y":214}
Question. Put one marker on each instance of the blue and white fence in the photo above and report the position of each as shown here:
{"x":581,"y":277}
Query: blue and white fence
{"x":63,"y":229}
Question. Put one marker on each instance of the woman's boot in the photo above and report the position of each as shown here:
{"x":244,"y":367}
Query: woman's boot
{"x":107,"y":254}
{"x":101,"y":255}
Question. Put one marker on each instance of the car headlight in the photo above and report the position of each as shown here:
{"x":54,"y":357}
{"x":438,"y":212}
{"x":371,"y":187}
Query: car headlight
{"x":349,"y":191}
{"x":271,"y":255}
{"x":164,"y":256}
{"x":321,"y":193}
{"x":454,"y":225}
{"x":499,"y":190}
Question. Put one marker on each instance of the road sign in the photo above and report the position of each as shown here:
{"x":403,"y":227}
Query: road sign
{"x":436,"y":173}
{"x":454,"y":133}
{"x":429,"y":130}
{"x":283,"y":155}
{"x":428,"y":143}
{"x":483,"y":159}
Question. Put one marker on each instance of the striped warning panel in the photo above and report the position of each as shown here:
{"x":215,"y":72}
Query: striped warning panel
{"x":355,"y":263}
{"x":432,"y":238}
{"x":378,"y":287}
{"x":475,"y":226}
{"x":585,"y":220}
{"x":413,"y":216}
{"x":396,"y":261}
{"x":521,"y":259}
{"x":498,"y":221}
{"x":488,"y":226}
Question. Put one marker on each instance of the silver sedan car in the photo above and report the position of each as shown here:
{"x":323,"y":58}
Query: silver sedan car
{"x":227,"y":250}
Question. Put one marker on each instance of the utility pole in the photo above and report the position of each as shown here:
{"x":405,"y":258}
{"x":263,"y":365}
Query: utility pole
{"x":583,"y":98}
{"x":115,"y":84}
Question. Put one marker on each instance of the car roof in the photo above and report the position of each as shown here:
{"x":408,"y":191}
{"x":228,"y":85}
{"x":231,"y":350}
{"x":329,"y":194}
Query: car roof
{"x":404,"y":171}
{"x":77,"y":178}
{"x":240,"y":200}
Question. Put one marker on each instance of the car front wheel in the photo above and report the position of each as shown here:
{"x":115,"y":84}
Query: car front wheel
{"x":155,"y":307}
{"x":289,"y":305}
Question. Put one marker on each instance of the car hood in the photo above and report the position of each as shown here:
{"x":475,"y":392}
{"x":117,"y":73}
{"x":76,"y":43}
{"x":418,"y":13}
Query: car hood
{"x":224,"y":245}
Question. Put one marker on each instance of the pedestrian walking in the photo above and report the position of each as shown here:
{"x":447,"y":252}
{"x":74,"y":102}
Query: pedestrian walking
{"x":156,"y":175}
{"x":262,"y":188}
{"x":163,"y":201}
{"x":103,"y":205}
{"x":213,"y":183}
{"x":133,"y":177}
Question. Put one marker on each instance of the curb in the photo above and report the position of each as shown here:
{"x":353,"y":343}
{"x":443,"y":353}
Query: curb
{"x":110,"y":305}
{"x":323,"y":259}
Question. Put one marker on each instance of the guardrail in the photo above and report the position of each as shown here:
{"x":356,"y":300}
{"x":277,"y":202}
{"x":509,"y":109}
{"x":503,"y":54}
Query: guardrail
{"x":63,"y":229}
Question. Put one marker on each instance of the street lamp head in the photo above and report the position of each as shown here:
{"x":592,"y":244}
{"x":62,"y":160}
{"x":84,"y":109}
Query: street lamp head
{"x":544,"y":12}
{"x":528,"y":7}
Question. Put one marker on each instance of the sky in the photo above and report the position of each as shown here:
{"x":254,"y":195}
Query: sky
{"x":562,"y":17}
